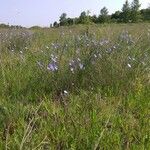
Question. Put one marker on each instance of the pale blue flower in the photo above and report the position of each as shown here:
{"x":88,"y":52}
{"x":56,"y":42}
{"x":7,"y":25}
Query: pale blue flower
{"x":52,"y":67}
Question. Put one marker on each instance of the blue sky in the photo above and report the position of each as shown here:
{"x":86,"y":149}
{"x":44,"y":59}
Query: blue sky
{"x":43,"y":12}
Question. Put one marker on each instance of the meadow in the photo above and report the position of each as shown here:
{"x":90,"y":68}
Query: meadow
{"x":84,"y":87}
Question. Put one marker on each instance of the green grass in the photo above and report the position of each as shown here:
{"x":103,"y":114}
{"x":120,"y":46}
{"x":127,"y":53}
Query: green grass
{"x":103,"y":104}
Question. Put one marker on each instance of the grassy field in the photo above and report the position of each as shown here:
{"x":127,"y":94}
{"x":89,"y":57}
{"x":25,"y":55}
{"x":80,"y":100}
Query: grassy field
{"x":75,"y":88}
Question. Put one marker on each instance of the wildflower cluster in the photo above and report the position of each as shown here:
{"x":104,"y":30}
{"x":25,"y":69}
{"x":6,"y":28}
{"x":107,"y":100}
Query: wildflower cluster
{"x":15,"y":40}
{"x":126,"y":37}
{"x":83,"y":58}
{"x":76,"y":64}
{"x":53,"y":65}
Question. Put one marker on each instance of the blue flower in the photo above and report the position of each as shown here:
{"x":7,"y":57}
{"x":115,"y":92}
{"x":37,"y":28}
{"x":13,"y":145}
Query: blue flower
{"x":81,"y":66}
{"x":76,"y":64}
{"x":52,"y":67}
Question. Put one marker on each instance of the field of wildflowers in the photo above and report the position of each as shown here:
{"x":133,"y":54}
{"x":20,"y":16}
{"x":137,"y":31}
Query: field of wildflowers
{"x":78,"y":87}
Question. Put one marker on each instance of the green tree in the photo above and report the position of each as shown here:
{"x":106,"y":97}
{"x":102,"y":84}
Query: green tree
{"x":4,"y":25}
{"x":126,"y":12}
{"x":116,"y":17}
{"x":70,"y":21}
{"x":135,"y":11}
{"x":94,"y":18}
{"x":84,"y":17}
{"x":145,"y":14}
{"x":55,"y":24}
{"x":103,"y":17}
{"x":51,"y":25}
{"x":63,"y":19}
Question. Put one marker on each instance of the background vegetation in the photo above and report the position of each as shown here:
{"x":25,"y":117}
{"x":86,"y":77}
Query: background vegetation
{"x":130,"y":13}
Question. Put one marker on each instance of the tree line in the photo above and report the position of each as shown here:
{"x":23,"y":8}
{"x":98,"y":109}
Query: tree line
{"x":130,"y":13}
{"x":2,"y":25}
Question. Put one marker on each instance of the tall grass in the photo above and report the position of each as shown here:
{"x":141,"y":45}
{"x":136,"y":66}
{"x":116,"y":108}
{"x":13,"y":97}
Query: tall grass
{"x":75,"y":88}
